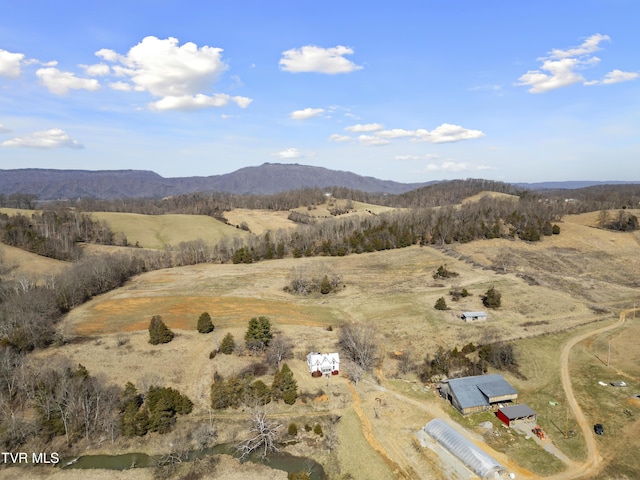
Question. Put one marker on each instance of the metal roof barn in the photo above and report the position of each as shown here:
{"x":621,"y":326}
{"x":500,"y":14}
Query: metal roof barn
{"x":481,"y":463}
{"x":474,"y":394}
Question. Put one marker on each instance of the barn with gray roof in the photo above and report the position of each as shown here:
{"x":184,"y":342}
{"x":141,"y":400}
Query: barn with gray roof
{"x":478,"y":393}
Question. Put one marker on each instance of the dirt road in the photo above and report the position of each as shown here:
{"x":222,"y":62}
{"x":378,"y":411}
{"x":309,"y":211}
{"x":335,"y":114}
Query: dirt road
{"x":590,"y":467}
{"x":594,"y":461}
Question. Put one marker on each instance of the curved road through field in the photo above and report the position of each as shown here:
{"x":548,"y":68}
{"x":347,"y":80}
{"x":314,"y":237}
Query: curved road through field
{"x":590,"y":467}
{"x":594,"y":461}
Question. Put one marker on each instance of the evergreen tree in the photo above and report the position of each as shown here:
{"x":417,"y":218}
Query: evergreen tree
{"x":158,"y":331}
{"x":284,"y":386}
{"x":492,"y":299}
{"x":228,"y":344}
{"x":441,"y":304}
{"x":205,"y":325}
{"x":260,"y":392}
{"x":258,"y":333}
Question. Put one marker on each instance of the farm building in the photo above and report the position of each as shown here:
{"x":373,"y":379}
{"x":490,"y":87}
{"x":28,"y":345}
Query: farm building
{"x":466,"y":451}
{"x":515,"y":414}
{"x":479,"y":393}
{"x":323,"y":364}
{"x":473,"y":316}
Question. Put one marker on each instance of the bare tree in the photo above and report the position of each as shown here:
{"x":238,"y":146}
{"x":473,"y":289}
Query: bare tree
{"x":264,"y":434}
{"x":504,"y":261}
{"x":359,"y":344}
{"x":352,"y":371}
{"x":280,"y":348}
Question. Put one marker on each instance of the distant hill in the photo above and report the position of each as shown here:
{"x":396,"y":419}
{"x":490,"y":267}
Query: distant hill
{"x":571,"y":185}
{"x":269,"y":178}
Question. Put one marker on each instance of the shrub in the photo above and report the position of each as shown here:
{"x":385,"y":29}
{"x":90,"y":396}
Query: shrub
{"x":317,"y":429}
{"x":293,"y":430}
{"x":442,"y":272}
{"x":212,"y":354}
{"x":256,"y":369}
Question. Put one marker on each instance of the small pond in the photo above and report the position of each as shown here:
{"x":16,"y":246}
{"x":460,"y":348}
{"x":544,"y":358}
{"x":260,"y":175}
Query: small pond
{"x":281,"y":461}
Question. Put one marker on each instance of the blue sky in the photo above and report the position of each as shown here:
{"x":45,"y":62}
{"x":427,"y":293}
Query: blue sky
{"x":410,"y":91}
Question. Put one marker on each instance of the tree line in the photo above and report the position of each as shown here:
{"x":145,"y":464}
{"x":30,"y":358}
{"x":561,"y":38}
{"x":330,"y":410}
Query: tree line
{"x":56,"y":234}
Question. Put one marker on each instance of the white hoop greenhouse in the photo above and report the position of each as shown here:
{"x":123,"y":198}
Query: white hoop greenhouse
{"x":473,"y":457}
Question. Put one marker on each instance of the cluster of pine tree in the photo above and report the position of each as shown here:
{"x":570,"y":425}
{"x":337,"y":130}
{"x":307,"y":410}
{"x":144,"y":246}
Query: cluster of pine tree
{"x":154,"y":412}
{"x":238,"y":390}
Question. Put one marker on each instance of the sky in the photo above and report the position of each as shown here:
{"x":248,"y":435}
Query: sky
{"x":411,"y":91}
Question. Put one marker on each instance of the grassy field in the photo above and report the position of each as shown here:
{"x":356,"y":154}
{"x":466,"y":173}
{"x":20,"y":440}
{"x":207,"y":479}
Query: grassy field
{"x":552,"y":291}
{"x":158,"y":231}
{"x":18,"y":263}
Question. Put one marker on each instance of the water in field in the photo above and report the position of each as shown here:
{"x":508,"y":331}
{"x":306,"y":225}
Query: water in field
{"x":280,"y":461}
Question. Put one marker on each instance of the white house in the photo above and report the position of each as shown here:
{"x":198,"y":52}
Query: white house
{"x":323,"y":364}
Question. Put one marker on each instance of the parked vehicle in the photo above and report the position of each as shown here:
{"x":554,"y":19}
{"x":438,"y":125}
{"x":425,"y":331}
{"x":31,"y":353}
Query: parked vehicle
{"x":598,"y":428}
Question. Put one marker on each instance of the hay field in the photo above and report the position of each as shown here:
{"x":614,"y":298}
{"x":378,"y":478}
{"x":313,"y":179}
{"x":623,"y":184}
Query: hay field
{"x":495,"y":195}
{"x":158,"y":231}
{"x":260,"y":221}
{"x":19,"y":263}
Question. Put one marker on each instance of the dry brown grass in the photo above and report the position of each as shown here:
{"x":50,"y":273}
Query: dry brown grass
{"x":260,"y":221}
{"x":579,"y":273}
{"x":29,"y":265}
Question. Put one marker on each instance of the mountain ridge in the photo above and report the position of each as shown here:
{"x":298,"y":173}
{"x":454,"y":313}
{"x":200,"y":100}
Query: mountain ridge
{"x":268,"y":178}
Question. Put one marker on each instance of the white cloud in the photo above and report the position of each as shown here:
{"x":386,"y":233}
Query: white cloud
{"x":97,"y":70}
{"x":372,"y":140}
{"x":561,"y":74}
{"x":374,"y":135}
{"x":10,"y":63}
{"x":198,"y":101}
{"x":369,"y":127}
{"x":396,"y":133}
{"x":340,"y":138}
{"x":316,"y":59}
{"x":558,"y":69}
{"x":3,"y":129}
{"x":617,"y":76}
{"x":306,"y":113}
{"x":427,"y":156}
{"x":177,"y":74}
{"x":590,"y":45}
{"x":450,"y":166}
{"x":121,"y":86}
{"x":60,"y":82}
{"x":164,"y":69}
{"x":108,"y":55}
{"x":54,"y":138}
{"x":289,"y":153}
{"x":448,"y":133}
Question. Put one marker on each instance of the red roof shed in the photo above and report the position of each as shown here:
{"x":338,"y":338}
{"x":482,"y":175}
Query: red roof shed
{"x":513,"y":413}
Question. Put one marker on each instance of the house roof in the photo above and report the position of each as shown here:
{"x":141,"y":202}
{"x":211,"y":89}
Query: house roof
{"x":317,"y":359}
{"x":517,"y":411}
{"x":475,"y":391}
{"x":474,"y":314}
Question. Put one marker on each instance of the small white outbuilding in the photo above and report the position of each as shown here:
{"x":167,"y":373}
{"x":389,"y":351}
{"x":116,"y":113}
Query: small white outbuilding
{"x":323,"y":364}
